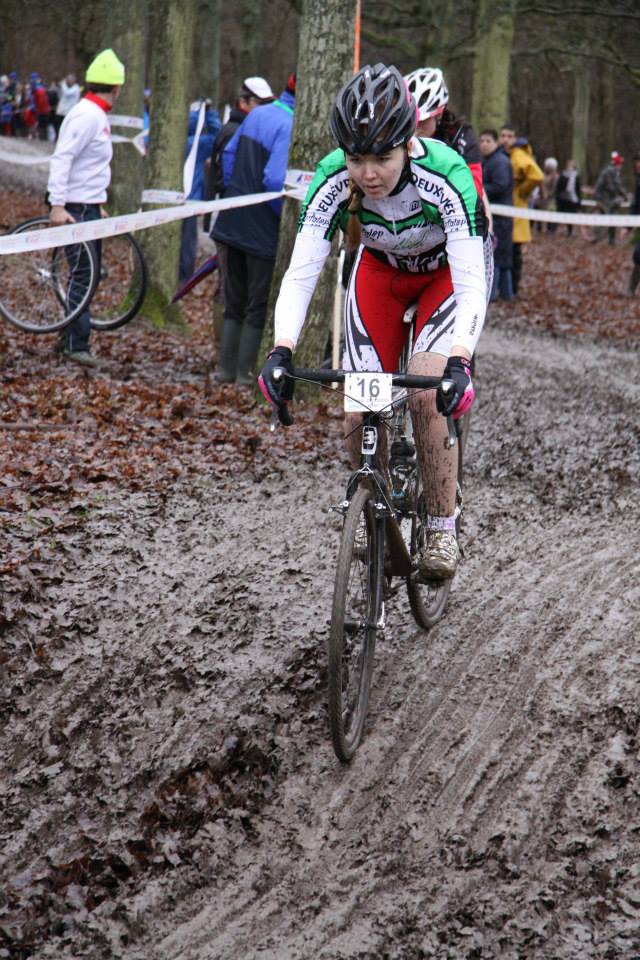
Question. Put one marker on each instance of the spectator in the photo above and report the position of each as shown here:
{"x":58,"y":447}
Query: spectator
{"x":79,"y":175}
{"x":609,"y":194}
{"x":40,"y":105}
{"x":568,"y":192}
{"x":634,"y":280}
{"x":547,"y":191}
{"x":6,"y":107}
{"x":527,"y":175}
{"x":255,"y":160}
{"x":497,"y":177}
{"x":255,"y":92}
{"x":146,"y":113}
{"x":211,"y":126}
{"x":436,"y":119}
{"x":68,"y":97}
{"x":29,"y":119}
{"x":18,"y":93}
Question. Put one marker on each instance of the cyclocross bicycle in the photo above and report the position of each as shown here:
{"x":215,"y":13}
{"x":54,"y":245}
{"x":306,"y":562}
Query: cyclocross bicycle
{"x":383,"y":532}
{"x":42,"y":291}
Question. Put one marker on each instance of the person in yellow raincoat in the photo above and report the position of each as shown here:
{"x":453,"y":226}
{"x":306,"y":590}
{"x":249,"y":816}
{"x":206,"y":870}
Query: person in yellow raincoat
{"x":527,"y":175}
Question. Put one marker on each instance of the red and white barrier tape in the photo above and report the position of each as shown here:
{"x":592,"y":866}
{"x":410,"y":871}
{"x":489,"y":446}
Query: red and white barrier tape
{"x":111,"y":226}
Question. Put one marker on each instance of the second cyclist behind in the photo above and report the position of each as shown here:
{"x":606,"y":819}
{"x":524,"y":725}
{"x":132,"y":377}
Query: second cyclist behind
{"x":412,"y":211}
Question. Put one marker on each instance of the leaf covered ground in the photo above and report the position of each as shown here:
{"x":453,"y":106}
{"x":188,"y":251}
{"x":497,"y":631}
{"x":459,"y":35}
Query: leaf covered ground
{"x":168,"y":788}
{"x":152,"y":414}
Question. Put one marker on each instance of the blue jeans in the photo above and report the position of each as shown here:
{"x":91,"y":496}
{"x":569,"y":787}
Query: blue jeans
{"x":75,"y":337}
{"x":502,"y":284}
{"x":188,"y":248}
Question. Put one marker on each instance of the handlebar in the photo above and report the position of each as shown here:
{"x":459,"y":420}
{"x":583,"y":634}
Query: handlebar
{"x":409,"y":380}
{"x":337,"y":376}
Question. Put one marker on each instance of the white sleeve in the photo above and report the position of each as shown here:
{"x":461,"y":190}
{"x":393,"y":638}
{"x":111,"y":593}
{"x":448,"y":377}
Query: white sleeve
{"x":299,"y":282}
{"x":75,"y":134}
{"x":466,"y":262}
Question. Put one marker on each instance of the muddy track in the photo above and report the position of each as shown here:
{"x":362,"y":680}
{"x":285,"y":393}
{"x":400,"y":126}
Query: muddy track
{"x":170,"y":790}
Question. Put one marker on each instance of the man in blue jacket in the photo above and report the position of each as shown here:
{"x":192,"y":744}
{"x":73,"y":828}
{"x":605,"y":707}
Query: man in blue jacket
{"x":255,"y":161}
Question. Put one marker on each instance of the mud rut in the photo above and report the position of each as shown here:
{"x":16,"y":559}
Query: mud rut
{"x":170,"y":790}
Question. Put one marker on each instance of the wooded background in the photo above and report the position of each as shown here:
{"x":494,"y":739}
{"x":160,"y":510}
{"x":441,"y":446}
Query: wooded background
{"x":565,"y":73}
{"x":573,"y":67}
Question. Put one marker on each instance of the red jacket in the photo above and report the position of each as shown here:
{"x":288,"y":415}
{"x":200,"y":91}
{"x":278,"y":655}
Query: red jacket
{"x":41,"y":100}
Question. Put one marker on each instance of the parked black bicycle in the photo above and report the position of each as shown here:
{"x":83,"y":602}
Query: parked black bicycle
{"x":383,"y":533}
{"x":42,"y":291}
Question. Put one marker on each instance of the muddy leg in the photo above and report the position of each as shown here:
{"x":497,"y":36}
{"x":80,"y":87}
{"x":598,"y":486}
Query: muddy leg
{"x":438,"y":465}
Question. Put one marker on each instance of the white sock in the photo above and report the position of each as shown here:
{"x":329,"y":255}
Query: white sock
{"x":441,"y":523}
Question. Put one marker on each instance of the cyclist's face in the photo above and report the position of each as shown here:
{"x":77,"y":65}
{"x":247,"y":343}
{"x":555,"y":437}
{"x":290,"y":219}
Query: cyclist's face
{"x":377,"y":175}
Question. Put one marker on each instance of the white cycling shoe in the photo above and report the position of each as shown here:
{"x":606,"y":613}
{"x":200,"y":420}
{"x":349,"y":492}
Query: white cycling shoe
{"x":440,"y":557}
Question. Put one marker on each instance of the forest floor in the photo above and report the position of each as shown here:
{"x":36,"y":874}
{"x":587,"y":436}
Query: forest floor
{"x":167,"y":784}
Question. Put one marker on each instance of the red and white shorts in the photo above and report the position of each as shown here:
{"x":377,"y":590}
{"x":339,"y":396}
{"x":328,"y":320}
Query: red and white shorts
{"x":378,"y":296}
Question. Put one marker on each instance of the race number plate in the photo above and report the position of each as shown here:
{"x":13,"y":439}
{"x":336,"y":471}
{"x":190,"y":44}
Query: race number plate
{"x":366,"y":391}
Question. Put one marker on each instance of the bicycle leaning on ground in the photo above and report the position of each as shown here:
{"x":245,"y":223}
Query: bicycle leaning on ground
{"x":384,"y":529}
{"x":42,"y":291}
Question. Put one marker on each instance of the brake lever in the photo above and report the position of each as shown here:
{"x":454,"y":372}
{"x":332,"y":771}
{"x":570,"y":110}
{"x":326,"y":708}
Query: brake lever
{"x":445,"y":388}
{"x":279,"y":414}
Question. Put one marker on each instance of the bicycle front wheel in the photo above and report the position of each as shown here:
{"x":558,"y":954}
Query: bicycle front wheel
{"x":122,"y":282}
{"x":355,"y":618}
{"x":427,"y":600}
{"x":42,"y":291}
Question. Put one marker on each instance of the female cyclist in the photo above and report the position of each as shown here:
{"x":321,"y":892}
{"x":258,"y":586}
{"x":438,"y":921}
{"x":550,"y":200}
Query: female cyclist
{"x":411,"y":208}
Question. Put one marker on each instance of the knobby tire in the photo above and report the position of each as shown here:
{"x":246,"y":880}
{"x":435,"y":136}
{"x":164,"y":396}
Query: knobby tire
{"x":357,"y":602}
{"x":35,"y":284}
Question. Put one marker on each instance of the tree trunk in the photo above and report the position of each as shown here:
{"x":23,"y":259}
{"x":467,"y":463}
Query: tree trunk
{"x":128,"y":29}
{"x":252,"y":24}
{"x":206,"y":58}
{"x":611,"y":135}
{"x":325,"y":51}
{"x":172,"y":27}
{"x":582,"y":73}
{"x":490,"y":101}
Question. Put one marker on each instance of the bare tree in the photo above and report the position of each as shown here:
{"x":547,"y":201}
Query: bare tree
{"x":490,"y":100}
{"x":127,"y":35}
{"x":325,"y":59}
{"x":172,"y":26}
{"x":206,"y":54}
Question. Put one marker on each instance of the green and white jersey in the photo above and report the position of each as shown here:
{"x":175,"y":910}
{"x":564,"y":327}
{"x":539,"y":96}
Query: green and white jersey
{"x":433,"y":217}
{"x":436,"y":200}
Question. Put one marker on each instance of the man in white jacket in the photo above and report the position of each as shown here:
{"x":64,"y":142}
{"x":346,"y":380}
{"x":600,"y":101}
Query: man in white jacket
{"x":79,"y":175}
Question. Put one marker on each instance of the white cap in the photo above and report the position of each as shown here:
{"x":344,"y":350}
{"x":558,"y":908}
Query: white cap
{"x":259,"y":87}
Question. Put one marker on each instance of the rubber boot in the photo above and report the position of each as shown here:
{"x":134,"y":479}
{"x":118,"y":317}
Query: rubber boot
{"x":218,"y":321}
{"x":634,"y":279}
{"x":227,"y":364}
{"x":247,"y":355}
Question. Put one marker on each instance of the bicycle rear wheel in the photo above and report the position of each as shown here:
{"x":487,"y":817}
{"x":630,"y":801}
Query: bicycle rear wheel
{"x":122,"y":282}
{"x":44,"y":290}
{"x":355,"y":617}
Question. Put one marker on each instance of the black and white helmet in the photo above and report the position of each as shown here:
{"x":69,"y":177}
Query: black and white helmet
{"x":429,"y":91}
{"x":374,"y":112}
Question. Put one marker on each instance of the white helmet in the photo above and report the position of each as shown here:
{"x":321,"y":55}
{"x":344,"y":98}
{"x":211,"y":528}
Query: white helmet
{"x":429,"y":91}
